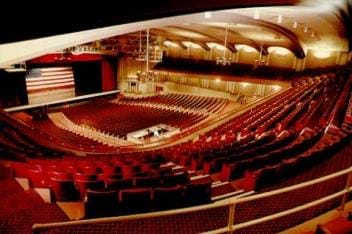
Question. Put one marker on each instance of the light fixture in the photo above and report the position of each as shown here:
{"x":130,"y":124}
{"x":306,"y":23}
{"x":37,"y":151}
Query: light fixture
{"x":147,"y":56}
{"x":245,"y":48}
{"x":217,"y":80}
{"x":170,"y":44}
{"x":244,"y":84}
{"x":295,"y":24}
{"x":207,"y":15}
{"x":322,"y":54}
{"x":146,"y":76}
{"x":305,"y":29}
{"x":213,"y":45}
{"x":224,"y":60}
{"x":276,"y":87}
{"x":190,"y":44}
{"x":256,"y":14}
{"x":143,"y":55}
{"x":140,"y":55}
{"x":278,"y":50}
{"x":279,"y":19}
{"x":261,"y":60}
{"x":64,"y":56}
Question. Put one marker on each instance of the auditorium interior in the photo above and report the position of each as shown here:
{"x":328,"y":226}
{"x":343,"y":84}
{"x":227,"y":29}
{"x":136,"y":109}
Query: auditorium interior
{"x":177,"y":117}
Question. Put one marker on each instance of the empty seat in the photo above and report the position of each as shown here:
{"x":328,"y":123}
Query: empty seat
{"x":60,"y":175}
{"x":135,"y":200}
{"x":198,"y":193}
{"x":113,"y":184}
{"x":178,"y":178}
{"x":90,"y":170}
{"x":168,"y":197}
{"x":101,"y":204}
{"x":84,"y":177}
{"x":38,"y":179}
{"x":83,"y":186}
{"x":111,"y":170}
{"x":19,"y":169}
{"x":109,"y":176}
{"x":64,"y":190}
{"x":149,"y":181}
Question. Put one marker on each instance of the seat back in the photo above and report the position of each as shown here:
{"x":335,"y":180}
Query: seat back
{"x":64,"y":190}
{"x":147,"y":182}
{"x":83,"y":186}
{"x":101,"y":204}
{"x":135,"y":200}
{"x":113,"y":184}
{"x":168,"y":197}
{"x":198,"y":193}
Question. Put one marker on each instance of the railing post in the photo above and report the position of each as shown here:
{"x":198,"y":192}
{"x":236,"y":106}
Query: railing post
{"x":232,"y":208}
{"x":347,"y":188}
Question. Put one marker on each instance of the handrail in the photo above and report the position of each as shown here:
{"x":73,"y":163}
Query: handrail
{"x":132,"y":217}
{"x":295,"y":187}
{"x":279,"y":214}
{"x":78,"y":98}
{"x":226,"y":202}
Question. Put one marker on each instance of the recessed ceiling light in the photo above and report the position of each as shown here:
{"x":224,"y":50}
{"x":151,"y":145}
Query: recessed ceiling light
{"x":279,"y":19}
{"x":305,"y":29}
{"x":256,"y":14}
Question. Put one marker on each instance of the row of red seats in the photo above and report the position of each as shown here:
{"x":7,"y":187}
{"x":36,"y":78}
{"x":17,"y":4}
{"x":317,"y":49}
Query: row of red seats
{"x":127,"y":201}
{"x":122,"y":119}
{"x":67,"y":138}
{"x":183,"y":100}
{"x":273,"y":173}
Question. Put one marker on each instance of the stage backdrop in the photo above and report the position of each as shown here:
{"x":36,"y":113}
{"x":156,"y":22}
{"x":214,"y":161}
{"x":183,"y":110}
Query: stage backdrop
{"x":49,"y":84}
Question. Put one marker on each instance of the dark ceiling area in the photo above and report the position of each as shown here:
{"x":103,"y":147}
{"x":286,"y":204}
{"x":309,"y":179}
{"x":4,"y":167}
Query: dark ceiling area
{"x":40,"y":19}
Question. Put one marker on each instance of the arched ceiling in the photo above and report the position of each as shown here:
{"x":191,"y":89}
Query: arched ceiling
{"x":297,"y":27}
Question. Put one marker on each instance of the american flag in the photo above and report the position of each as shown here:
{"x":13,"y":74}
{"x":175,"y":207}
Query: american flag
{"x":45,"y":79}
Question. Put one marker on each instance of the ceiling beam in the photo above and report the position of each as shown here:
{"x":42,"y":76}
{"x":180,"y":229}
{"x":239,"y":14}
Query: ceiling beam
{"x":226,"y":17}
{"x":178,"y":38}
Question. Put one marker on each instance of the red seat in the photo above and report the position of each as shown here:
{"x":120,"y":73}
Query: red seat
{"x":147,"y":182}
{"x":83,"y":186}
{"x":111,"y":170}
{"x":85,"y":177}
{"x":198,"y":193}
{"x":90,"y":170}
{"x":38,"y":179}
{"x":168,"y":198}
{"x":60,"y":175}
{"x":19,"y":169}
{"x":113,"y":184}
{"x":136,"y":200}
{"x":64,"y":190}
{"x":101,"y":204}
